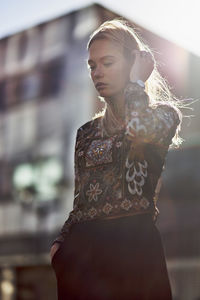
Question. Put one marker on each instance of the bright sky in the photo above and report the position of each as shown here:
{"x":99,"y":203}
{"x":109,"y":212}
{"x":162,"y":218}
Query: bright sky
{"x":176,"y":20}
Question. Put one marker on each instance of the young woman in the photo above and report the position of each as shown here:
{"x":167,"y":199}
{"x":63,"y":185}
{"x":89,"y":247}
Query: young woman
{"x":109,"y":247}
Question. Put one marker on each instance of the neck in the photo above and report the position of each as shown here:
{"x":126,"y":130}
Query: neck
{"x":116,"y":105}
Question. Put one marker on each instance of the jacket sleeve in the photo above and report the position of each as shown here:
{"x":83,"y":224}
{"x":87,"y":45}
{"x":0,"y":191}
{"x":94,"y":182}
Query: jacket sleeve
{"x":147,"y":124}
{"x":65,"y":229}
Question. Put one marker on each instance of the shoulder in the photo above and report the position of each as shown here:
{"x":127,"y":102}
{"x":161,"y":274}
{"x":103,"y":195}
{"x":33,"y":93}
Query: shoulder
{"x":88,"y":128}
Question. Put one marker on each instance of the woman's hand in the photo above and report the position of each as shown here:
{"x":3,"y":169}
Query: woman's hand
{"x":54,"y":249}
{"x":142,"y":67}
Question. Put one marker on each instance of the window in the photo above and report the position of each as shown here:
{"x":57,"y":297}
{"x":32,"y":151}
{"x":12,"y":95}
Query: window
{"x":30,"y":86}
{"x":52,"y":76}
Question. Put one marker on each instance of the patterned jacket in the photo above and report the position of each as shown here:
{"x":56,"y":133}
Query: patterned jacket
{"x":116,"y":172}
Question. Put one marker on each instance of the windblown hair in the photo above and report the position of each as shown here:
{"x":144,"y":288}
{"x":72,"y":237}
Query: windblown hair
{"x":123,"y":33}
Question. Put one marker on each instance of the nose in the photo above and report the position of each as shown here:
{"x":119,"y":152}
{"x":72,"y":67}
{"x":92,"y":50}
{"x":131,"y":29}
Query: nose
{"x":98,"y":72}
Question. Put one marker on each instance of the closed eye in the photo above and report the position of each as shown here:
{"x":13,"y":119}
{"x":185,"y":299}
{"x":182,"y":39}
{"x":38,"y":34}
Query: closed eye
{"x":107,"y":64}
{"x":92,"y":68}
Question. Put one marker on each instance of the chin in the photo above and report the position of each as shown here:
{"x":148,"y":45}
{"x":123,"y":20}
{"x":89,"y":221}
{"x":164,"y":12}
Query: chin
{"x":104,"y":94}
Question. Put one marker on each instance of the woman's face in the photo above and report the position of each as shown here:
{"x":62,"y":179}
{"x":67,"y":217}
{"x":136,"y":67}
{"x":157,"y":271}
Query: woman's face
{"x":108,"y":67}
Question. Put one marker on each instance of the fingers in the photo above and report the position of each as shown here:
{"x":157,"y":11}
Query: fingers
{"x":143,"y":65}
{"x":145,"y":54}
{"x":142,"y":54}
{"x":135,"y":53}
{"x":147,"y":58}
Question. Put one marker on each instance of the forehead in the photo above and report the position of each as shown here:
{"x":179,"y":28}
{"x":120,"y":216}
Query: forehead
{"x":104,"y":47}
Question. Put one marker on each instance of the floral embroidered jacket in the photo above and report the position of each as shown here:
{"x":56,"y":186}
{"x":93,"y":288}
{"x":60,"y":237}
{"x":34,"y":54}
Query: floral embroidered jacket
{"x":117,"y":166}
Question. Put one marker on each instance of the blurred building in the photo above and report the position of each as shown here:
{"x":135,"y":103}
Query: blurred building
{"x":45,"y":95}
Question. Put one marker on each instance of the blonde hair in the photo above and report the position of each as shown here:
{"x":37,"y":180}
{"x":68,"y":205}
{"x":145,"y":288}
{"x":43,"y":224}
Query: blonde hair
{"x":123,"y":33}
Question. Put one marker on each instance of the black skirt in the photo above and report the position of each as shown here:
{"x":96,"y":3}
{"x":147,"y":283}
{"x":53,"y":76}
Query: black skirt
{"x":117,"y":259}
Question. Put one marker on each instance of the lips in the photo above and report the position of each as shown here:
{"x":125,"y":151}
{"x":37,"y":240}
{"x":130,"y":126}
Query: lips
{"x":100,"y":85}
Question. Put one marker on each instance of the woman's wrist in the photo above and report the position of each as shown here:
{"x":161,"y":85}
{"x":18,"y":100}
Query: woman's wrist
{"x":139,"y":82}
{"x":136,"y":88}
{"x":135,"y":97}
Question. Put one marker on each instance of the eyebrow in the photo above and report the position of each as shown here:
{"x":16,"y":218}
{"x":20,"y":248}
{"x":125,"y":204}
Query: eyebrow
{"x":103,"y":57}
